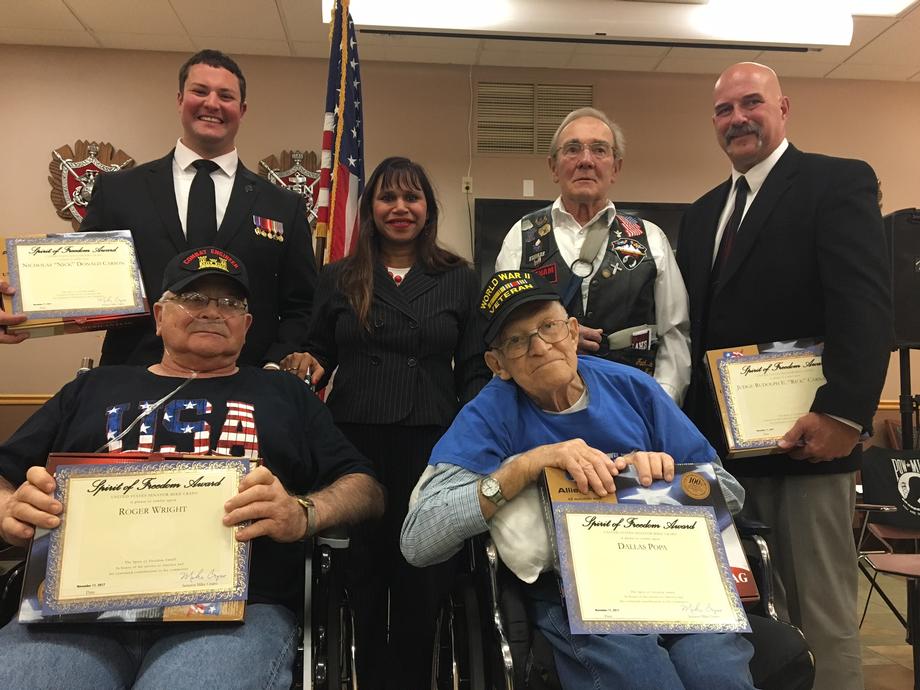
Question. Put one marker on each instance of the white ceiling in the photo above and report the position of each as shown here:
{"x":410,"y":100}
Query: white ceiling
{"x":883,"y":48}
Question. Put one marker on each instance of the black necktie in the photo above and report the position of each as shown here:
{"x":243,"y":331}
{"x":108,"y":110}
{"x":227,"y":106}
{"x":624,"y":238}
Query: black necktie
{"x":201,"y":219}
{"x":731,"y":228}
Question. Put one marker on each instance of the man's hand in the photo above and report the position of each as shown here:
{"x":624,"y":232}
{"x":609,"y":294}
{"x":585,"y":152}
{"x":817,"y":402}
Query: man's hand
{"x":650,"y":465}
{"x":273,"y":511}
{"x":589,"y":467}
{"x":302,"y":363}
{"x":10,"y":320}
{"x":818,"y":438}
{"x":589,"y":339}
{"x":31,"y":505}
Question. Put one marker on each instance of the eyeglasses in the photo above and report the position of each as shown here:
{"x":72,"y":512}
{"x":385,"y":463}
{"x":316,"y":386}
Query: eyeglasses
{"x":549,"y":332}
{"x":194,"y":303}
{"x":599,"y":150}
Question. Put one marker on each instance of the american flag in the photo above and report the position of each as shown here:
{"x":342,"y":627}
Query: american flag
{"x":342,"y":168}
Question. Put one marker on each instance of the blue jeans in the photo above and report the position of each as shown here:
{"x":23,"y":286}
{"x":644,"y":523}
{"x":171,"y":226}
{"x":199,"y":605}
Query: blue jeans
{"x":702,"y":661}
{"x":257,"y":654}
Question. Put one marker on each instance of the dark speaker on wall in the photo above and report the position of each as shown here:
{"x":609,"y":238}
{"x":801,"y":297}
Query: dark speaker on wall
{"x":902,"y":229}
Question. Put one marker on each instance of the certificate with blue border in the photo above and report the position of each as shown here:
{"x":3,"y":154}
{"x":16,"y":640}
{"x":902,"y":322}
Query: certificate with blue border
{"x":75,"y":275}
{"x":761,"y":391}
{"x":635,"y":569}
{"x":147,"y":534}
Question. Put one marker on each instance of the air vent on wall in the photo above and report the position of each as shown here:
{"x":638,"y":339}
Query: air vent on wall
{"x":522,"y":118}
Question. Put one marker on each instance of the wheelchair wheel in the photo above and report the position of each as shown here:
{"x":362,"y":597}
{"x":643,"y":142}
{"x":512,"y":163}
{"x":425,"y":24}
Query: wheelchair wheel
{"x":458,"y":662}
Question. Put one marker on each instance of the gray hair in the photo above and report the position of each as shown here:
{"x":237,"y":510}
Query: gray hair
{"x":619,"y":139}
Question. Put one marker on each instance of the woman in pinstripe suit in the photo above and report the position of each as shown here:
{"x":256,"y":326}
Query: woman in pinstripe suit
{"x":398,"y":319}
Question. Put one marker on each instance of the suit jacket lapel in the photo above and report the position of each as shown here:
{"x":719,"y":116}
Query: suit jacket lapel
{"x":705,"y":238}
{"x":239,"y":208}
{"x":774,"y":187}
{"x":163,"y":192}
{"x":401,"y":296}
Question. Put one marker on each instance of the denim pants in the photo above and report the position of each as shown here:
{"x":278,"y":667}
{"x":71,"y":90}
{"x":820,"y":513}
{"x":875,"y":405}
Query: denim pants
{"x":702,"y":661}
{"x":257,"y":654}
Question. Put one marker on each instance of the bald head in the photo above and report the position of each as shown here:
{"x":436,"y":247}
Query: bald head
{"x":749,"y":113}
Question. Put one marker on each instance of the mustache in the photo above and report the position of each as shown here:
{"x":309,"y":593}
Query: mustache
{"x":735,"y":131}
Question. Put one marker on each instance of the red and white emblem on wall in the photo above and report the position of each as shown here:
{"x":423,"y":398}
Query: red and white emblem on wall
{"x":73,"y":172}
{"x":297,"y":171}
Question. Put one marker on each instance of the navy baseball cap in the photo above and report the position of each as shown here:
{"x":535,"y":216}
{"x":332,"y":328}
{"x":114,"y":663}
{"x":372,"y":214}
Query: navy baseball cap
{"x":504,"y":292}
{"x":185,"y":268}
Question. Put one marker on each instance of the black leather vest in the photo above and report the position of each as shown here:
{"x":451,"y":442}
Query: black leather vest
{"x":622,"y":291}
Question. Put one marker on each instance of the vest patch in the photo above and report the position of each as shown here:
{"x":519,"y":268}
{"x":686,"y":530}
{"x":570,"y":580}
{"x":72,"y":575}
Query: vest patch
{"x":630,"y":252}
{"x":548,"y":272}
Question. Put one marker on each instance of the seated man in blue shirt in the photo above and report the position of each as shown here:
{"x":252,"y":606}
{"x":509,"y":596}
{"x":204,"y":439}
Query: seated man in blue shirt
{"x":548,"y":407}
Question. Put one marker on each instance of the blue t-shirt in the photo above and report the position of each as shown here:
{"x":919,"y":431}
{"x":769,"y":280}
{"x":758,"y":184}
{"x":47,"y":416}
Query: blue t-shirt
{"x":627,"y":410}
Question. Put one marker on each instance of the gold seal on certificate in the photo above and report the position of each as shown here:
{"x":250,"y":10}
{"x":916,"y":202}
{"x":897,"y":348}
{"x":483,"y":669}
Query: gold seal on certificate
{"x":74,"y":281}
{"x":140,"y":535}
{"x":761,"y":390}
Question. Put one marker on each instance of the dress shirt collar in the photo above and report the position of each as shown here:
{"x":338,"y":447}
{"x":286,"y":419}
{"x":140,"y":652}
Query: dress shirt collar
{"x":184,"y":157}
{"x":560,"y":215}
{"x":758,"y":173}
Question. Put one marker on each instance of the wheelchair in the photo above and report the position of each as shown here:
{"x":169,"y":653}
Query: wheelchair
{"x":485,"y":641}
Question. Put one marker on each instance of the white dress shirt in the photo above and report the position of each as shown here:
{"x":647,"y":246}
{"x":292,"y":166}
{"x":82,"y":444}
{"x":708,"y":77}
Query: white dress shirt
{"x":672,"y":311}
{"x":184,"y":173}
{"x":755,"y":178}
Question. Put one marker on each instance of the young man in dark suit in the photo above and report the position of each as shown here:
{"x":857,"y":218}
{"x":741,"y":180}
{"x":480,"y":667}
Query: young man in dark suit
{"x":808,"y":259}
{"x":171,"y":207}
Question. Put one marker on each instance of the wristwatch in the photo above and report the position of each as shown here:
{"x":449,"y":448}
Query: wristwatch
{"x":492,"y":490}
{"x":310,"y":509}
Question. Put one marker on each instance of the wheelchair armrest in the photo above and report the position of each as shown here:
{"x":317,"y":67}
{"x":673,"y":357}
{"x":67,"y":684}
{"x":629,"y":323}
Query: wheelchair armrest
{"x":334,"y":537}
{"x":748,"y":527}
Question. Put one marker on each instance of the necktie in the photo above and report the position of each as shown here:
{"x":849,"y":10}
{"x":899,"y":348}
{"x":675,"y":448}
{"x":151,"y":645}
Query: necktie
{"x":731,"y":228}
{"x":201,"y":219}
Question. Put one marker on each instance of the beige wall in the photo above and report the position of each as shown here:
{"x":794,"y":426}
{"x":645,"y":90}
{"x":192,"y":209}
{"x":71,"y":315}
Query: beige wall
{"x":54,"y":96}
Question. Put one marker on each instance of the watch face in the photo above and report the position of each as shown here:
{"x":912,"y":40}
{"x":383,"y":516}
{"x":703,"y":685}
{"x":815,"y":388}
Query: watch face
{"x":491,"y":489}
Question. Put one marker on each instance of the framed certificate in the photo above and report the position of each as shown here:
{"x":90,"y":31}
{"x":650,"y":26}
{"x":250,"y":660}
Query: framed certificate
{"x":145,"y":534}
{"x":74,"y":275}
{"x":761,"y":390}
{"x":637,"y":569}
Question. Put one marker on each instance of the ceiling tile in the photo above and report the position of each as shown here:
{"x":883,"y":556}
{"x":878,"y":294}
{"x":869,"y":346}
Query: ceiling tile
{"x":458,"y":56}
{"x":617,"y":49}
{"x":248,"y":19}
{"x":47,"y":37}
{"x":128,"y":16}
{"x":897,"y":45}
{"x":544,"y":47}
{"x":619,"y":63}
{"x":713,"y":66}
{"x":728,"y":56}
{"x":125,"y":41}
{"x":50,"y":15}
{"x":550,"y":60}
{"x":242,"y":46}
{"x":880,"y":72}
{"x":304,"y":20}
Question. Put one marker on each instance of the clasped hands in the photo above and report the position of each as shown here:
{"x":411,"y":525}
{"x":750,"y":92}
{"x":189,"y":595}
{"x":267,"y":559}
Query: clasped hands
{"x":262,"y":500}
{"x":594,"y":470}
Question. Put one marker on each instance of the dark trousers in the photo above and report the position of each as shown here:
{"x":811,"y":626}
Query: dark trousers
{"x":393,"y":646}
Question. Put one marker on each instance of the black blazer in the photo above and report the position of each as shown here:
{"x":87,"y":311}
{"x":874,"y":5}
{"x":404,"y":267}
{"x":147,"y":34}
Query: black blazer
{"x":810,"y":260}
{"x":282,"y":275}
{"x":423,"y":357}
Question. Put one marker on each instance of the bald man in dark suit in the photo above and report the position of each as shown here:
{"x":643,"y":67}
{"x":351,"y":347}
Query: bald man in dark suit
{"x":808,"y":259}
